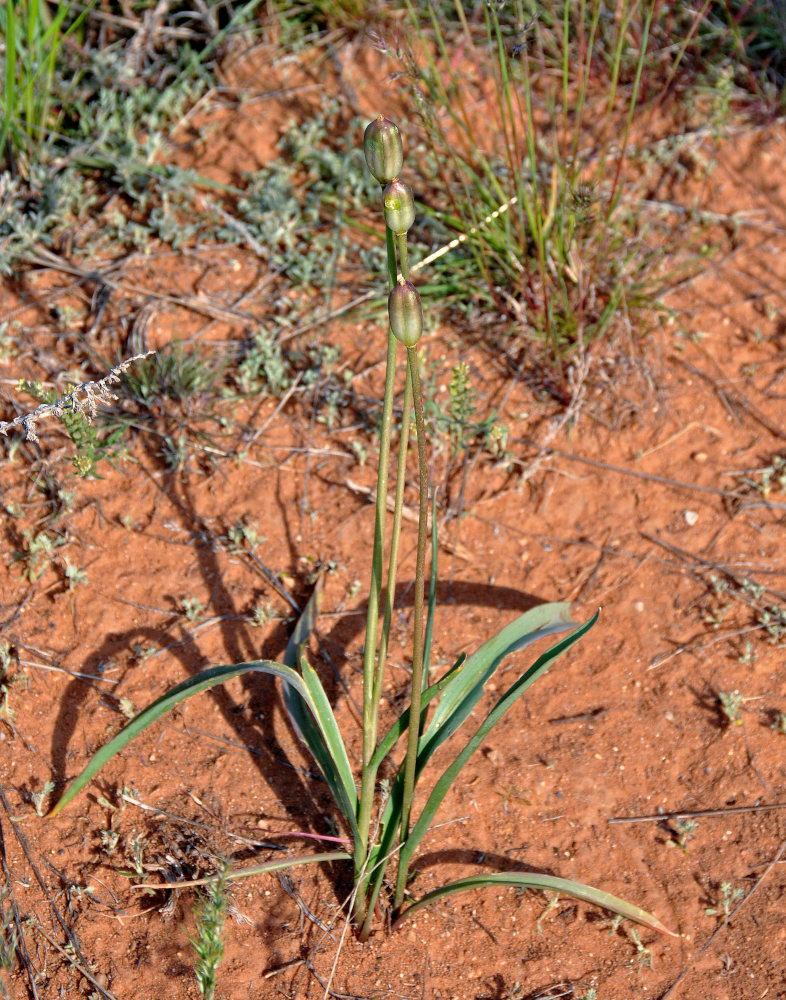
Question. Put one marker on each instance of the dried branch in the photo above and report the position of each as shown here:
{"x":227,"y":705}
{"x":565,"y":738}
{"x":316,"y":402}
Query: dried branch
{"x":83,"y":398}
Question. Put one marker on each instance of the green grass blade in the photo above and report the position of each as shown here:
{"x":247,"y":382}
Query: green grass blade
{"x":514,"y":692}
{"x":9,"y":78}
{"x":547,"y":883}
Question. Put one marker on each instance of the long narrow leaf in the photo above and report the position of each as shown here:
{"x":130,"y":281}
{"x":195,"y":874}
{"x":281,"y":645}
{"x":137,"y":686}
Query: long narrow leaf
{"x":301,"y":720}
{"x":463,"y":694}
{"x":314,"y":721}
{"x":330,"y":731}
{"x":236,"y":873}
{"x":506,"y":702}
{"x":199,"y":682}
{"x":467,"y":688}
{"x":547,"y":883}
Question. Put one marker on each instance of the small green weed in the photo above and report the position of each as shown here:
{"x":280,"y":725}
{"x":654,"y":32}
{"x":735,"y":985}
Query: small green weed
{"x":263,"y":367}
{"x":74,"y":575}
{"x":730,"y":703}
{"x":90,"y":448}
{"x":684,"y":830}
{"x":40,"y":797}
{"x":38,"y":551}
{"x":728,"y":897}
{"x":192,"y":608}
{"x":209,"y":941}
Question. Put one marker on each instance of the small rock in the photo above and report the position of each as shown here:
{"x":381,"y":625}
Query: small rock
{"x":691,"y":517}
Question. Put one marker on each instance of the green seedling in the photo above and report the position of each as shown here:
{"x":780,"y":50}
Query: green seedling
{"x":38,"y":552}
{"x":385,"y":831}
{"x":192,"y":608}
{"x":242,"y":534}
{"x":684,"y":831}
{"x":643,"y":956}
{"x":74,"y":575}
{"x":209,"y":941}
{"x":779,"y":725}
{"x":731,"y":706}
{"x":262,"y":615}
{"x":39,"y":798}
{"x":728,"y":897}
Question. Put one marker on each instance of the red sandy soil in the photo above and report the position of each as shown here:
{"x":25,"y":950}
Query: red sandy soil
{"x":633,"y":510}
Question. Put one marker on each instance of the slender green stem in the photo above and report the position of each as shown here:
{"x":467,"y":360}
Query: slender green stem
{"x":410,"y":760}
{"x":370,"y":704}
{"x":390,"y":586}
{"x":401,"y":473}
{"x":403,"y":256}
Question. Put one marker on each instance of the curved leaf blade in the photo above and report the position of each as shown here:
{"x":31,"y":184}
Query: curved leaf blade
{"x":201,"y":681}
{"x":331,"y":735}
{"x":237,"y":873}
{"x":466,"y":690}
{"x":503,"y":705}
{"x":549,"y":883}
{"x":317,"y":726}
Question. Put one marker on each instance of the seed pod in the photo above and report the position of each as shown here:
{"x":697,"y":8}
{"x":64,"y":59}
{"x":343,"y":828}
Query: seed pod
{"x":399,"y":206}
{"x":383,"y":149}
{"x":406,"y":313}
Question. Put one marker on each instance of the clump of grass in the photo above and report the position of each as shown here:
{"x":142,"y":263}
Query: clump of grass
{"x":386,"y":830}
{"x":537,"y":183}
{"x":34,"y":35}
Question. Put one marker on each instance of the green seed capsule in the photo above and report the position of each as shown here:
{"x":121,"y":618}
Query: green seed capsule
{"x":406,"y":313}
{"x":383,"y":149}
{"x":399,"y":207}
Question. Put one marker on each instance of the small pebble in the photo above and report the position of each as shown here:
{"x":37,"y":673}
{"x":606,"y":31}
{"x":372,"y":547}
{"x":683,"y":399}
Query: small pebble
{"x":691,"y":517}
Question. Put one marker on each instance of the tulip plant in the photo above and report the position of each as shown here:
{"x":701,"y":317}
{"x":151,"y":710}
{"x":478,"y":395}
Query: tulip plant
{"x":379,"y":816}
